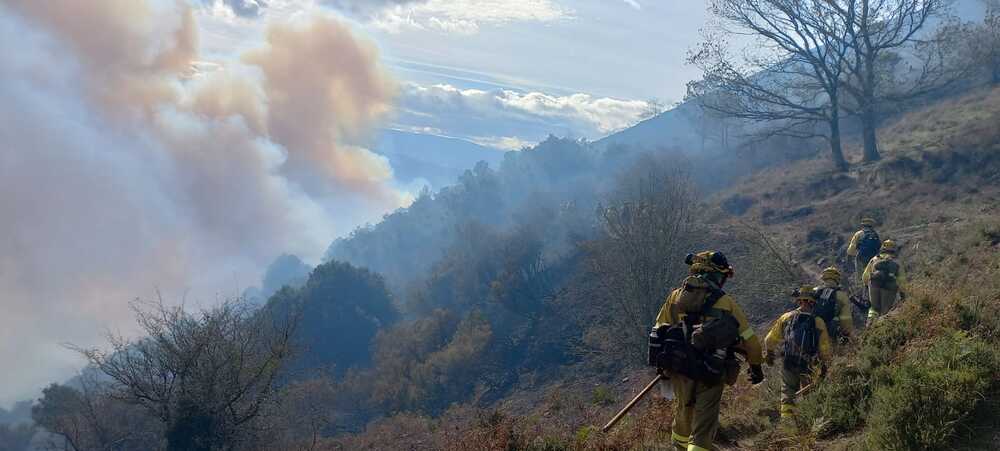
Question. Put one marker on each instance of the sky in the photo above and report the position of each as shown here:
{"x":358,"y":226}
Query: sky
{"x":174,"y":148}
{"x":504,"y":72}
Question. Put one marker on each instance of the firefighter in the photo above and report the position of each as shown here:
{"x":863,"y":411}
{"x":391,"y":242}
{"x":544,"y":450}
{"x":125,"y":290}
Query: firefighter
{"x":804,"y":343}
{"x":833,"y":305}
{"x":884,"y":278}
{"x":697,"y":401}
{"x":864,"y":245}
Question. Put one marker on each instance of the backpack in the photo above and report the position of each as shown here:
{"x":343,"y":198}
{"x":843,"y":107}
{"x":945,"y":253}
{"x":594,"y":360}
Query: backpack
{"x":695,"y":348}
{"x":826,"y":308}
{"x":695,"y":291}
{"x":869,"y":245}
{"x":801,"y":341}
{"x":884,"y":274}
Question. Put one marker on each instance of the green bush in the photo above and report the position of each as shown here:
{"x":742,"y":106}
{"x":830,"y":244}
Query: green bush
{"x":583,"y":434}
{"x":883,"y":340}
{"x":928,"y":396}
{"x":840,"y":403}
{"x":602,"y":396}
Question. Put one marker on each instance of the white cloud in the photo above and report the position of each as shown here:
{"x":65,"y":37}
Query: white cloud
{"x":604,"y":114}
{"x":528,"y":116}
{"x":465,"y":16}
{"x":235,"y":8}
{"x":633,"y":4}
{"x":502,"y":142}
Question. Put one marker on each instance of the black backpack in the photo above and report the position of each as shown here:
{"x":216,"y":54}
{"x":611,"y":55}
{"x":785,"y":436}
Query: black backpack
{"x":884,"y":274}
{"x":869,"y":245}
{"x":826,"y":308}
{"x":695,"y":348}
{"x":801,"y":341}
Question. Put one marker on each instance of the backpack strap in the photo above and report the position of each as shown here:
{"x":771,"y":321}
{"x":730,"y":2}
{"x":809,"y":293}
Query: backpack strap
{"x":709,"y":308}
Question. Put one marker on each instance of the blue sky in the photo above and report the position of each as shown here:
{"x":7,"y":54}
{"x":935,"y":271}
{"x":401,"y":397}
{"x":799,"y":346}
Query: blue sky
{"x":527,"y":68}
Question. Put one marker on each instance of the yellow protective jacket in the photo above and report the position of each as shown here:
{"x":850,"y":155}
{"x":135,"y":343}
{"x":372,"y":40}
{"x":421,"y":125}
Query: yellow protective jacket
{"x":777,"y":334}
{"x":844,"y":319}
{"x":867,"y":276}
{"x":749,"y":344}
{"x":852,"y":248}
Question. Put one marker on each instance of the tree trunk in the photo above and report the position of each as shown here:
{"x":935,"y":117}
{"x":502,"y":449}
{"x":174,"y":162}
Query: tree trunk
{"x":869,"y":124}
{"x":836,"y":150}
{"x":869,"y":120}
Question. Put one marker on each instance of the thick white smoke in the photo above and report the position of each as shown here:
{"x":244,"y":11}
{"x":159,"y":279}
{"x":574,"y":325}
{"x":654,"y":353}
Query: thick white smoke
{"x":124,"y":170}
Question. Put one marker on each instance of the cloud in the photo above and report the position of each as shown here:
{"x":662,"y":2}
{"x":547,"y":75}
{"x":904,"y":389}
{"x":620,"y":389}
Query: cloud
{"x":477,"y":114}
{"x":502,"y":142}
{"x":366,"y":7}
{"x":464,"y":16}
{"x":395,"y":16}
{"x":240,"y":8}
{"x":634,"y":4}
{"x":123,"y":167}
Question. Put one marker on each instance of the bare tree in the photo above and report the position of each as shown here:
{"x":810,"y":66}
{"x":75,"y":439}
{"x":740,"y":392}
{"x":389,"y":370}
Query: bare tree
{"x":205,"y":377}
{"x":877,"y":28}
{"x":629,"y":271}
{"x":791,"y":78}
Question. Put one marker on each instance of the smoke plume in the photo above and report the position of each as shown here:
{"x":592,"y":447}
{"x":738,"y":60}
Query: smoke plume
{"x":123,"y":169}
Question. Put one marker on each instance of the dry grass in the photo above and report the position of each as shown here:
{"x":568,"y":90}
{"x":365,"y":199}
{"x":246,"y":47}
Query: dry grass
{"x":966,"y":122}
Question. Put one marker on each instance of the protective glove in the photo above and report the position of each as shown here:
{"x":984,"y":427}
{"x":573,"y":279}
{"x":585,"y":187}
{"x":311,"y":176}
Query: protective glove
{"x":756,"y":374}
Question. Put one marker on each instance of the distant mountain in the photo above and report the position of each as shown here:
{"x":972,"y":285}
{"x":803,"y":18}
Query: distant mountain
{"x":676,"y":128}
{"x":437,"y":159}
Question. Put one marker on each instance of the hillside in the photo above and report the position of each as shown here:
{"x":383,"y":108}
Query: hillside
{"x":932,"y":365}
{"x":510,"y":311}
{"x":676,"y":128}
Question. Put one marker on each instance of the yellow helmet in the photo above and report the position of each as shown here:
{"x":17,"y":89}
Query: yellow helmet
{"x":868,"y":222}
{"x":805,"y":294}
{"x":889,"y":247}
{"x":830,"y":273}
{"x":709,"y":261}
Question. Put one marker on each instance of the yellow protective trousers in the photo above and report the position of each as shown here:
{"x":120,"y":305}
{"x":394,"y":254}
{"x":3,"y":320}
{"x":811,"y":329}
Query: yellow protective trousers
{"x":859,"y":269}
{"x":792,"y":380}
{"x":696,"y":413}
{"x":882,"y":300}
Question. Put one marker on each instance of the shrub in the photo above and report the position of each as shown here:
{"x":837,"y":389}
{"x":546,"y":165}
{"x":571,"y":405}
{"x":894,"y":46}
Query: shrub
{"x":602,"y":396}
{"x":840,"y":403}
{"x":929,"y":395}
{"x":884,"y":339}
